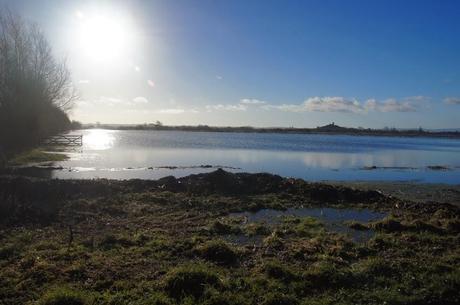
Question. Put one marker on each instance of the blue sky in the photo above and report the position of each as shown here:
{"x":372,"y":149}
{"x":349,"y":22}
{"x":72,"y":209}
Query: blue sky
{"x":261,"y":63}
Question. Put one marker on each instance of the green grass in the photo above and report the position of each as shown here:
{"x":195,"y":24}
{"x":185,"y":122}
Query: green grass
{"x":36,"y":155}
{"x":64,"y":296}
{"x":219,"y":252}
{"x":190,"y":281}
{"x":164,"y":248}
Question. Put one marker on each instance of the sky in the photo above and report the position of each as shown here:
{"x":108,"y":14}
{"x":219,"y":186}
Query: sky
{"x":260,"y":63}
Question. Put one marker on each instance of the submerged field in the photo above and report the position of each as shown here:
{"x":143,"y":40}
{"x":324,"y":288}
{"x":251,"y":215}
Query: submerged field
{"x":195,"y":240}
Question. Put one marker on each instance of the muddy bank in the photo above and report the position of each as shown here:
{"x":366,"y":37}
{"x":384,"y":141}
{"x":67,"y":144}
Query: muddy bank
{"x":40,"y":197}
{"x":418,"y":192}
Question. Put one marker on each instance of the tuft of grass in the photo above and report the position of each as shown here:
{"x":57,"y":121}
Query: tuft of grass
{"x":64,"y":296}
{"x":277,"y":270}
{"x":326,"y":275}
{"x":280,"y":299}
{"x":219,"y":227}
{"x":303,"y":227}
{"x":110,"y":241}
{"x":453,"y":225}
{"x":375,"y":266}
{"x":257,"y":228}
{"x":8,"y":251}
{"x":274,"y":241}
{"x":36,"y":156}
{"x":389,"y":224}
{"x":219,"y":252}
{"x":190,"y":281}
{"x":356,"y":225}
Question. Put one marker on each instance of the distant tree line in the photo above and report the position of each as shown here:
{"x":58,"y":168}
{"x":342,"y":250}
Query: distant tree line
{"x":35,"y":88}
{"x":331,"y":129}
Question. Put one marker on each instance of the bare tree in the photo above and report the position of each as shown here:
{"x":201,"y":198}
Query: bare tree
{"x":35,"y":88}
{"x":28,"y":68}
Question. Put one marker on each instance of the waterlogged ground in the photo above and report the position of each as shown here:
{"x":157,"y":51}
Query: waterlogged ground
{"x":338,"y":220}
{"x":166,"y":242}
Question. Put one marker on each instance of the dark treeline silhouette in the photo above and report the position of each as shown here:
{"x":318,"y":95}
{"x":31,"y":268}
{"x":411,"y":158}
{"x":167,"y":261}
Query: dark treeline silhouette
{"x":326,"y":129}
{"x":35,"y":88}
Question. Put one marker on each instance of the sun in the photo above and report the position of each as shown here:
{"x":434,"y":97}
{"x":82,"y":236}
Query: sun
{"x":104,"y":37}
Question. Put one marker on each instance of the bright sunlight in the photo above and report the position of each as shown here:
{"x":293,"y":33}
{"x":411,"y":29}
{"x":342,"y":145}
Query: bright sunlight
{"x":104,"y":37}
{"x":99,"y":139}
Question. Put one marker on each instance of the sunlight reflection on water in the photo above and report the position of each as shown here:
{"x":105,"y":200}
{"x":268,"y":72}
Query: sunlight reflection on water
{"x":99,"y":139}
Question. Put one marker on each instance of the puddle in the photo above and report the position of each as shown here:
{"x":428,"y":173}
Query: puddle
{"x":333,"y":219}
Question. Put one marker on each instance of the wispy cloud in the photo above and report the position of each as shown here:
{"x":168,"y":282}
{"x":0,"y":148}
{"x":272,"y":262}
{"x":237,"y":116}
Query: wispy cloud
{"x":176,"y":111}
{"x":452,"y":100}
{"x":171,"y":111}
{"x":83,"y":104}
{"x":252,"y":101}
{"x":140,"y":100}
{"x":109,"y":101}
{"x":114,"y":101}
{"x":390,"y":105}
{"x":342,"y":104}
{"x":322,"y":104}
{"x":331,"y":104}
{"x":243,"y":105}
{"x":229,"y":107}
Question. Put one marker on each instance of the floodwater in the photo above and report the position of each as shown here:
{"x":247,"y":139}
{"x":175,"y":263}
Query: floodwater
{"x":334,"y":220}
{"x":123,"y":154}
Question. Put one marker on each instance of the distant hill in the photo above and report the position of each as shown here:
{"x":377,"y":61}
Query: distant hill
{"x":331,"y":128}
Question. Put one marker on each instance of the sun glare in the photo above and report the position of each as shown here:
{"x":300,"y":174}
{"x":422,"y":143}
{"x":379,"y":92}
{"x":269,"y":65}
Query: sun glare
{"x":104,"y":37}
{"x":99,"y":139}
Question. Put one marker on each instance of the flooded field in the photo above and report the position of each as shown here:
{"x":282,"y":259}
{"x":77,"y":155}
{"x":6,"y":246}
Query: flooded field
{"x":121,"y":154}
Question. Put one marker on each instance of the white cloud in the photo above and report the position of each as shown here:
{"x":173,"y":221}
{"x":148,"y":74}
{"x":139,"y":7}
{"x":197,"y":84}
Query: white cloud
{"x":407,"y":104}
{"x":332,"y":104}
{"x":243,"y":105}
{"x":342,"y":104}
{"x":219,"y":77}
{"x":113,"y":101}
{"x":252,"y":101}
{"x":140,"y":100}
{"x":109,"y":101}
{"x":84,"y":81}
{"x":220,"y":107}
{"x":171,"y":111}
{"x":391,"y":105}
{"x":323,"y":104}
{"x":417,"y":98}
{"x":452,"y":100}
{"x":83,"y":104}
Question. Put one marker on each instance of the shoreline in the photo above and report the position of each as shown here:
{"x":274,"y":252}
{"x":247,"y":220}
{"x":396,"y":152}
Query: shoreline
{"x":280,"y":130}
{"x":406,"y":190}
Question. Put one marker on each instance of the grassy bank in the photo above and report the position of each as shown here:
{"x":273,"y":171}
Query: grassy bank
{"x":168,"y":242}
{"x":35,"y":155}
